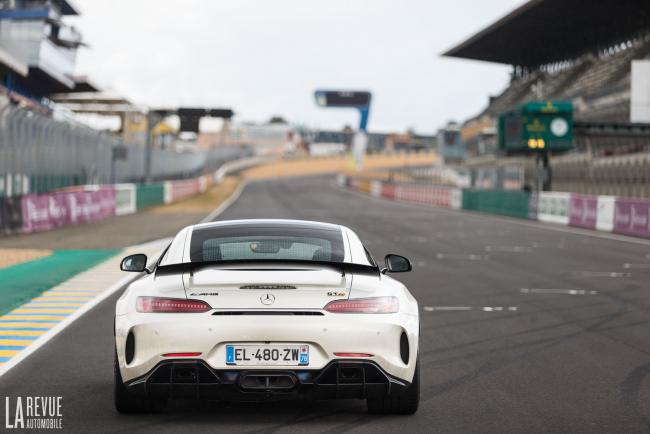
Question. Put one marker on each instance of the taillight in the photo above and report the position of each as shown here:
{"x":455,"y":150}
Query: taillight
{"x":352,"y":355}
{"x":170,"y":305}
{"x":364,"y":305}
{"x":181,"y":354}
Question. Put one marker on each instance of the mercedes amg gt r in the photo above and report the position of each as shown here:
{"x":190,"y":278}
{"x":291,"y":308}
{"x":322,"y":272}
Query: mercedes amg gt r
{"x":254,"y":310}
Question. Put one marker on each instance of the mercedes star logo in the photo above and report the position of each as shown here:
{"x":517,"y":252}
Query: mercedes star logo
{"x":267,"y":299}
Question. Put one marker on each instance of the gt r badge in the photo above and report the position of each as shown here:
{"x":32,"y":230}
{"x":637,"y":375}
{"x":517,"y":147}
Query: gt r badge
{"x":267,"y":299}
{"x":199,"y":294}
{"x":336,"y":294}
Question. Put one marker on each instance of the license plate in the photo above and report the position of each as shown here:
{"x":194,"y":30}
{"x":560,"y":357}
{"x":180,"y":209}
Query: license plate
{"x":267,"y":355}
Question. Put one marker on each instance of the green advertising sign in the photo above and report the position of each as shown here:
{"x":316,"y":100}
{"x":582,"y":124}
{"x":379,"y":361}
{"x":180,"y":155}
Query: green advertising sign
{"x":537,"y":127}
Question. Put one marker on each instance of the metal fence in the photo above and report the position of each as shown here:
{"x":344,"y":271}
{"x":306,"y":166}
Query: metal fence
{"x":625,"y":176}
{"x":40,"y":154}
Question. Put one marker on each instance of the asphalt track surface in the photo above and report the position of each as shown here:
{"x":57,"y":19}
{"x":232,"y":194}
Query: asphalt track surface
{"x":525,"y":328}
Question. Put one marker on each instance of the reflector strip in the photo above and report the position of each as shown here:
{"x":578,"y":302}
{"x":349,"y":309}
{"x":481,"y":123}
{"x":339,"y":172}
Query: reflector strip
{"x":181,"y":355}
{"x":353,"y":355}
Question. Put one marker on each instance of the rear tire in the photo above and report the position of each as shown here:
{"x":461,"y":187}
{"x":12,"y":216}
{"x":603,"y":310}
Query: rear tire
{"x":404,"y":402}
{"x":125,"y":401}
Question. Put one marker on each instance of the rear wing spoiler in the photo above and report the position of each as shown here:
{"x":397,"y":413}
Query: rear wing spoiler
{"x":278,"y":264}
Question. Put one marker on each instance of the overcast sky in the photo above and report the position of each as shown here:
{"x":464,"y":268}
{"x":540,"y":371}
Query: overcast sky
{"x":266,"y":57}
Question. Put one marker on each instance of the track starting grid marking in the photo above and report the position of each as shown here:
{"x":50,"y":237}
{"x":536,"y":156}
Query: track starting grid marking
{"x":22,"y":326}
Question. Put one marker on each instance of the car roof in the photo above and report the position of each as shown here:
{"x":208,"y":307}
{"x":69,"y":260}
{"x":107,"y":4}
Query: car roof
{"x":252,"y":223}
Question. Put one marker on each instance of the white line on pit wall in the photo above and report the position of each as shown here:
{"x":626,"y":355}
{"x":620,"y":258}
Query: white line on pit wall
{"x":557,"y":291}
{"x":626,"y":265}
{"x":462,"y":256}
{"x":613,"y":274}
{"x":466,"y":308}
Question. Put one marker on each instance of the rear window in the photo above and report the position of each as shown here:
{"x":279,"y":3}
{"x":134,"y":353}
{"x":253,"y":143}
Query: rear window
{"x":278,"y":243}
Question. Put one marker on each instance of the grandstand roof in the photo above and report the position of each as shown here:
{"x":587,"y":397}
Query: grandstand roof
{"x":546,"y":31}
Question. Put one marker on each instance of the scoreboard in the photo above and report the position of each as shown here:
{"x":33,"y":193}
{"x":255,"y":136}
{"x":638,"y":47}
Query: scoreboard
{"x":338,"y":98}
{"x":536,"y":127}
{"x":357,"y":99}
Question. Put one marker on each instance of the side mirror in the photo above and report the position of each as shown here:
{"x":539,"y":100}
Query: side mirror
{"x":397,"y":264}
{"x":136,"y":263}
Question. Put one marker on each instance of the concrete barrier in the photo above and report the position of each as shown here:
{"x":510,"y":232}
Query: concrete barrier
{"x":583,"y":211}
{"x":147,"y":195}
{"x":632,"y":217}
{"x":89,"y":203}
{"x":42,"y":212}
{"x":603,"y":213}
{"x":176,"y":190}
{"x":605,"y":216}
{"x":553,"y":207}
{"x":125,"y":200}
{"x":502,"y":202}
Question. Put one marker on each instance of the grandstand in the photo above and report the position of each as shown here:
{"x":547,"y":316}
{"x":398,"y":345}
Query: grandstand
{"x":568,"y":50}
{"x":562,"y":50}
{"x":42,"y":146}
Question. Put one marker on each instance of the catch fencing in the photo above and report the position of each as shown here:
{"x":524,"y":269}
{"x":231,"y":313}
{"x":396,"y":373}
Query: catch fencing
{"x":40,"y":154}
{"x":582,"y":173}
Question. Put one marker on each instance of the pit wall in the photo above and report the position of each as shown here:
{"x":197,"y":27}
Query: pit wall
{"x":89,"y":203}
{"x":603,"y":213}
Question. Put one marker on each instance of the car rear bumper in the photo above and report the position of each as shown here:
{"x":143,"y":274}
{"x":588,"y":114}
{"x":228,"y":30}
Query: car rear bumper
{"x":154,"y":335}
{"x":195,"y":379}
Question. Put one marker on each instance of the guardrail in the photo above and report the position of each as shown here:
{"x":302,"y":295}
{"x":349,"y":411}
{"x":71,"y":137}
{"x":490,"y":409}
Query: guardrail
{"x":621,"y":215}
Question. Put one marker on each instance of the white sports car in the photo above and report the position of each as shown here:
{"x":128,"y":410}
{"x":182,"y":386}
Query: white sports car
{"x":253,"y":310}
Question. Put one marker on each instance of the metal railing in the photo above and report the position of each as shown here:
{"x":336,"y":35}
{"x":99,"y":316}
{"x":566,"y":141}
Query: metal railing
{"x":626,"y":176}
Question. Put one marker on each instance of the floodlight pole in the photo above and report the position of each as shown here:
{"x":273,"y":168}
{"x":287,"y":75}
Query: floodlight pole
{"x":148,"y":145}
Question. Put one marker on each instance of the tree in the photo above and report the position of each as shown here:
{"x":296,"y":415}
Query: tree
{"x":278,"y":120}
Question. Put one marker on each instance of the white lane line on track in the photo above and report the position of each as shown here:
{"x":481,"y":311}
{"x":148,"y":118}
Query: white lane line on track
{"x":499,"y":308}
{"x":509,"y":249}
{"x":447,"y":308}
{"x":561,"y":245}
{"x":46,"y":337}
{"x":557,"y":291}
{"x":461,"y":256}
{"x":612,"y":274}
{"x":466,"y":308}
{"x":628,"y":265}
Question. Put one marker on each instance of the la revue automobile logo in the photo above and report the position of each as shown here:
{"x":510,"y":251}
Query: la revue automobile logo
{"x":34,"y":412}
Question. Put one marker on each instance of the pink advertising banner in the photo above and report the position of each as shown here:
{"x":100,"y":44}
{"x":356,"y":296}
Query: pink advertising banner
{"x":583,"y":211}
{"x":438,"y":196}
{"x":42,"y":212}
{"x":632,"y":217}
{"x":181,"y":189}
